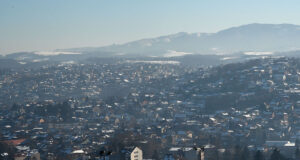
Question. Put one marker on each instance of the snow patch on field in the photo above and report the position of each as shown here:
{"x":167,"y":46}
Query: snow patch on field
{"x":155,"y":62}
{"x":172,"y":53}
{"x":167,"y":40}
{"x":52,"y":53}
{"x":68,"y":62}
{"x":22,"y":63}
{"x":40,"y":60}
{"x":228,"y":58}
{"x":258,"y":53}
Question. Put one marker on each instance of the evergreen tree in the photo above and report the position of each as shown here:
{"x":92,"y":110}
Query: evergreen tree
{"x":227,"y":155}
{"x":297,"y":154}
{"x":297,"y":143}
{"x":245,"y":154}
{"x":216,"y":153}
{"x":276,"y":155}
{"x":15,"y":107}
{"x":5,"y":148}
{"x":155,"y":155}
{"x":237,"y":153}
{"x":65,"y":111}
{"x":259,"y":156}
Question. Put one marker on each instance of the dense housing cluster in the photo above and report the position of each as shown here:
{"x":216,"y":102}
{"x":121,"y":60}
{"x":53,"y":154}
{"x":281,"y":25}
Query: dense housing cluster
{"x":168,"y":110}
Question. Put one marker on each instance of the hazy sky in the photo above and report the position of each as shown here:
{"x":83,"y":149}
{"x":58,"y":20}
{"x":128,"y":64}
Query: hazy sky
{"x":28,"y":25}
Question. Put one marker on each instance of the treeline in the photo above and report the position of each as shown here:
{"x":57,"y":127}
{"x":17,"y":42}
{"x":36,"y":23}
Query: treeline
{"x":6,"y":151}
{"x":60,"y":110}
{"x":244,"y":154}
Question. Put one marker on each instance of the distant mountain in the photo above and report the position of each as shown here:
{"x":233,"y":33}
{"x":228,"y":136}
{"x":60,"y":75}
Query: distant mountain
{"x":233,"y":44}
{"x":251,"y":37}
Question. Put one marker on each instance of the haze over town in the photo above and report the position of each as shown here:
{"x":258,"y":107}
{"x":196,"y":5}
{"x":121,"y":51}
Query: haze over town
{"x":150,"y":80}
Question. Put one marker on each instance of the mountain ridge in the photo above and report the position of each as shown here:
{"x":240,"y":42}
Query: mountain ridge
{"x":254,"y":37}
{"x":250,"y":37}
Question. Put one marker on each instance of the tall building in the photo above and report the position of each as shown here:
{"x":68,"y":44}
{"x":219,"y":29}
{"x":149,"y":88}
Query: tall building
{"x":134,"y":153}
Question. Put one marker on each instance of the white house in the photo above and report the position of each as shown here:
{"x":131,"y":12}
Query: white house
{"x":134,"y":153}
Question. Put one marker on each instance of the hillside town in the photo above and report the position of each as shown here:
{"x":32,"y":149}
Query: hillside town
{"x":151,"y":110}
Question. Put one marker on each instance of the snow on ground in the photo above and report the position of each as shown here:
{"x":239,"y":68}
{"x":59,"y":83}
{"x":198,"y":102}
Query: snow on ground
{"x":68,"y":62}
{"x":199,"y":34}
{"x":78,"y":151}
{"x":214,"y":49}
{"x":22,"y":62}
{"x":228,"y":58}
{"x":52,"y":53}
{"x":155,"y":62}
{"x":258,"y":53}
{"x":167,"y":40}
{"x":171,"y":53}
{"x":40,"y":60}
